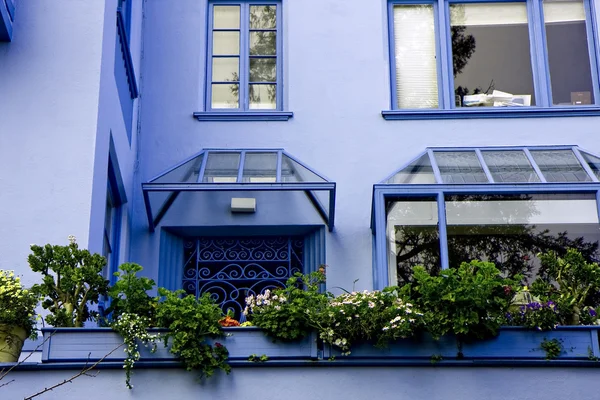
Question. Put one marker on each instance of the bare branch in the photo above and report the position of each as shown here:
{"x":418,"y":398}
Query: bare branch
{"x":3,"y":373}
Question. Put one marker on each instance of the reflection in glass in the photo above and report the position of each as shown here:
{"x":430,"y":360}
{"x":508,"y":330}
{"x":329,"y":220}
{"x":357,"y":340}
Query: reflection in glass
{"x":560,"y":166}
{"x":263,"y":69}
{"x":263,"y":43}
{"x":568,"y":56}
{"x":418,"y":172}
{"x":510,"y":230}
{"x":460,"y":167}
{"x":263,"y":96}
{"x":260,"y":167}
{"x":491,"y":55}
{"x":225,"y":69}
{"x":263,"y":17}
{"x":226,"y":17}
{"x":593,"y":162}
{"x":509,"y":166}
{"x":185,"y":173}
{"x":415,"y":56}
{"x":413,"y":237}
{"x":221,"y":167}
{"x":225,"y":96}
{"x":226,"y":43}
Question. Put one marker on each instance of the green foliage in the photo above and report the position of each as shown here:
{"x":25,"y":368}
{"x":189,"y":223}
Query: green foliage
{"x":286,"y":314}
{"x":553,"y":348}
{"x":569,"y":281}
{"x":70,"y":281}
{"x":190,"y":320}
{"x":130,"y":294}
{"x":17,"y":304}
{"x":470,"y":302}
{"x":378,"y":316}
{"x":257,"y":358}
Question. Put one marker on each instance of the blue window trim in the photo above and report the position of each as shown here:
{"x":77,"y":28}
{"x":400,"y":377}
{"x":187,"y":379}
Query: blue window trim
{"x":126,"y":52}
{"x":7,"y":14}
{"x":539,"y":64}
{"x":243,"y":112}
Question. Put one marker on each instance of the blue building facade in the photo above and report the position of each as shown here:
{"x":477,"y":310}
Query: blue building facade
{"x":155,"y":131}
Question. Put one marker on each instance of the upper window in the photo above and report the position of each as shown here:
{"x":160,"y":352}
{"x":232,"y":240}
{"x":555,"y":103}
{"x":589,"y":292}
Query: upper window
{"x":450,"y":54}
{"x":244,"y":56}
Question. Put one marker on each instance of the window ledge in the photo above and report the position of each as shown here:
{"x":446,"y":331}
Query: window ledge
{"x":243,"y":115}
{"x":500,"y":112}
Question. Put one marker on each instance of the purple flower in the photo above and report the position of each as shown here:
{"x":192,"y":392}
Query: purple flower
{"x":593,"y":312}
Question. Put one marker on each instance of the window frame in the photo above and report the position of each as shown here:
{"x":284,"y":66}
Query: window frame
{"x":538,"y":53}
{"x":244,"y":57}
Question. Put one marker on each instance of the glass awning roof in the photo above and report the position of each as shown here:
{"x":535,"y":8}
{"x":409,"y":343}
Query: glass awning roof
{"x":238,"y":170}
{"x":488,"y":165}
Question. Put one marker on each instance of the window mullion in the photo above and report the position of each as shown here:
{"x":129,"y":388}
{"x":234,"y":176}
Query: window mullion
{"x":442,"y":229}
{"x":446,"y":82}
{"x":591,"y":29}
{"x":244,"y":55}
{"x":539,"y":57}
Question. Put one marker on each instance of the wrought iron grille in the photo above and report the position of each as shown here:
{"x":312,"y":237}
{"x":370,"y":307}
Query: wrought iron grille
{"x":231,"y":268}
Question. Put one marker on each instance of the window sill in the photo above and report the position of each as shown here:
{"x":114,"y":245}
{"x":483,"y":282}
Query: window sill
{"x":499,"y":112}
{"x":243,"y":115}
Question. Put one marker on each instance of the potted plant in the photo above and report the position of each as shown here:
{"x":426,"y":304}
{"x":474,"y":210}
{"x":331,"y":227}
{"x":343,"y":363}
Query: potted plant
{"x":17,"y":316}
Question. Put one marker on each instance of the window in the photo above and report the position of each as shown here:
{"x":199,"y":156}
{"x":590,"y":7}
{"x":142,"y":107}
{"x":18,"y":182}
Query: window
{"x":244,"y":56}
{"x":503,"y":205}
{"x":451,"y":54}
{"x":232,"y":268}
{"x":112,"y":223}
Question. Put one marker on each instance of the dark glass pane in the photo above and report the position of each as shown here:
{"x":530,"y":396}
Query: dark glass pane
{"x":263,"y":17}
{"x":568,"y":56}
{"x":263,"y":43}
{"x":510,"y":230}
{"x":560,"y":166}
{"x":491,"y":55}
{"x":593,"y":162}
{"x":263,"y":69}
{"x":413,"y":237}
{"x":509,"y":166}
{"x":460,"y":167}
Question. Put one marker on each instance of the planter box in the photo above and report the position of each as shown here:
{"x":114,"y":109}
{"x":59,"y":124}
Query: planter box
{"x":512,"y":343}
{"x":91,"y":344}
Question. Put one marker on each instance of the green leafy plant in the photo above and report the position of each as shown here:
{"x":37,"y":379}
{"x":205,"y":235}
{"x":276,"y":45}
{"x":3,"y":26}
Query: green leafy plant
{"x":288,"y":313}
{"x":553,"y":348}
{"x":569,"y":281}
{"x":132,"y":311}
{"x":190,"y":321}
{"x":377,"y":316}
{"x":71,"y":281}
{"x":17,"y":304}
{"x":257,"y":358}
{"x":470,"y":302}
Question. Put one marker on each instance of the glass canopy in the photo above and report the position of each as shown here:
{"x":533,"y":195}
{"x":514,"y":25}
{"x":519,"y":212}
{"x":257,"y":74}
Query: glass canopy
{"x":238,"y":170}
{"x":487,"y":165}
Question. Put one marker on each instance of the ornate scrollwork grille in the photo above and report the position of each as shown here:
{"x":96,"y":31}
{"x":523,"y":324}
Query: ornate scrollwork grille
{"x":230,"y":269}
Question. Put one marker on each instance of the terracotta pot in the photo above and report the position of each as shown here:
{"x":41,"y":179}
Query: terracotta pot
{"x":11,"y":342}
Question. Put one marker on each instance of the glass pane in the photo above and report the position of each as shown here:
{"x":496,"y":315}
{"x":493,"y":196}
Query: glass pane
{"x":263,"y":43}
{"x":417,"y":172}
{"x":263,"y":96}
{"x":292,"y":171}
{"x":509,"y":166}
{"x":415,"y":56}
{"x":185,"y":173}
{"x":460,"y":167}
{"x":490,"y":55}
{"x":260,"y":167}
{"x":263,"y":70}
{"x":263,"y":17}
{"x":226,"y":17}
{"x":510,"y":230}
{"x":226,"y":69}
{"x":225,"y":96}
{"x":221,"y":168}
{"x":226,"y":43}
{"x":568,"y":57}
{"x":560,"y":166}
{"x":593,"y":162}
{"x":413,"y":237}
